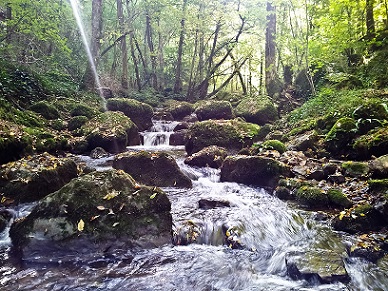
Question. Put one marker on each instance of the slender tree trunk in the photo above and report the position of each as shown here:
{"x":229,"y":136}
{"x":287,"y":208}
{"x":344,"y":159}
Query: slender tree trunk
{"x":89,"y":81}
{"x":124,"y":50}
{"x":178,"y":71}
{"x":161,"y":76}
{"x":237,"y":70}
{"x":150,"y":43}
{"x":370,"y":21}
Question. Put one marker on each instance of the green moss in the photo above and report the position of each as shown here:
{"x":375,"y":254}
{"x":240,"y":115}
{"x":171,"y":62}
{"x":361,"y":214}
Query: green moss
{"x":373,"y":143}
{"x":337,"y":197}
{"x":179,"y":109}
{"x":213,"y":110}
{"x":274,"y":145}
{"x":311,"y":197}
{"x":258,"y":110}
{"x":355,"y":169}
{"x":380,"y":185}
{"x":77,"y":122}
{"x":46,"y":109}
{"x":83,"y":110}
{"x":363,"y":209}
{"x":290,"y":183}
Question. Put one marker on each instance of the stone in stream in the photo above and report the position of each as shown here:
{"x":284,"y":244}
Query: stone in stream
{"x":317,"y":266}
{"x":33,"y":178}
{"x":214,"y":110}
{"x":178,"y":137}
{"x":95,"y":212}
{"x":212,"y":156}
{"x":156,"y":169}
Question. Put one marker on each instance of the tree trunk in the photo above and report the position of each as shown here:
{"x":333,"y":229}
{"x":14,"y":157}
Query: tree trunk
{"x":124,"y":51}
{"x":370,"y":21}
{"x":89,"y":79}
{"x":150,"y":43}
{"x":271,"y":77}
{"x":178,"y":71}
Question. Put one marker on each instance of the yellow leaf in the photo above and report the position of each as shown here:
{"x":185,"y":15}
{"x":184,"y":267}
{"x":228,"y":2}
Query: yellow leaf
{"x":153,"y":196}
{"x":353,"y":248}
{"x":81,"y":225}
{"x":342,"y":214}
{"x":362,"y":214}
{"x":111,"y":195}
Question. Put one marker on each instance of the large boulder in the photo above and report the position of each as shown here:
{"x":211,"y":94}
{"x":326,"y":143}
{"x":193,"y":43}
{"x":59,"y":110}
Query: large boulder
{"x":211,"y":156}
{"x":214,"y":110}
{"x":379,"y":167}
{"x":230,"y":134}
{"x":13,"y":141}
{"x":33,"y":178}
{"x":253,"y":170}
{"x":259,"y":110}
{"x":113,"y":131}
{"x":340,"y":136}
{"x":140,"y":113}
{"x":179,"y":109}
{"x":156,"y":169}
{"x":375,"y":142}
{"x":318,"y":266}
{"x":95,"y":212}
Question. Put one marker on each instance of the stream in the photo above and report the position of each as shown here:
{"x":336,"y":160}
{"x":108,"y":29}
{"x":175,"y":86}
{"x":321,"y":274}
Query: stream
{"x":265,"y":226}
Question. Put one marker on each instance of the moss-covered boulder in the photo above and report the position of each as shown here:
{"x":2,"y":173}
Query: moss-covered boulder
{"x":45,"y":109}
{"x":374,"y":143}
{"x":13,"y":142}
{"x":253,"y":170}
{"x":33,"y":178}
{"x":355,"y":169}
{"x":212,"y":156}
{"x":259,"y":110}
{"x":362,"y":218}
{"x":230,"y":134}
{"x":95,"y":212}
{"x":112,"y":131}
{"x":214,"y":110}
{"x":83,"y":110}
{"x":77,"y":122}
{"x":140,"y":113}
{"x":379,"y":186}
{"x":338,"y":198}
{"x":371,"y":114}
{"x":178,"y":137}
{"x":273,"y":144}
{"x":339,"y":138}
{"x":312,"y":197}
{"x":156,"y":169}
{"x":179,"y":109}
{"x":379,"y":167}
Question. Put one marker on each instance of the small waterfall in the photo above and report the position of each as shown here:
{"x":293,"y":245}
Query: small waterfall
{"x":159,"y":134}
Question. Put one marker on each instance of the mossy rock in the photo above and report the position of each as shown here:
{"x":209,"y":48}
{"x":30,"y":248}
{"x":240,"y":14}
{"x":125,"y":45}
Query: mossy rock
{"x":374,"y":143}
{"x":13,"y":142}
{"x":211,"y":156}
{"x":362,"y":218}
{"x":94,"y":212}
{"x":338,"y":198}
{"x":230,"y":134}
{"x":378,"y":185}
{"x":45,"y":109}
{"x":370,"y":115}
{"x":258,"y":110}
{"x":214,"y":110}
{"x":312,"y":197}
{"x":154,"y":169}
{"x":379,"y":167}
{"x":179,"y":109}
{"x":274,"y":144}
{"x":140,"y":113}
{"x":339,"y":137}
{"x":77,"y":122}
{"x":33,"y":178}
{"x":113,"y":131}
{"x":253,"y":170}
{"x":83,"y":110}
{"x":355,"y":169}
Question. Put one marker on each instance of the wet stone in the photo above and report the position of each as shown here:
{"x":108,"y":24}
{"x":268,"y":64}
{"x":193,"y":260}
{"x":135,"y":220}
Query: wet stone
{"x":210,"y":204}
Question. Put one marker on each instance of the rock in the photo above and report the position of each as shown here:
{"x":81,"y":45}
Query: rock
{"x":95,"y":212}
{"x":283,"y":193}
{"x":355,"y":169}
{"x":76,"y":122}
{"x":113,"y":131}
{"x":307,"y":140}
{"x":374,"y":143}
{"x":317,"y":174}
{"x":379,"y":167}
{"x":362,"y":218}
{"x":338,"y":198}
{"x":47,"y":110}
{"x":340,"y":136}
{"x":312,"y":197}
{"x":140,"y":113}
{"x":83,"y":110}
{"x":337,"y":178}
{"x":181,"y":125}
{"x":33,"y":178}
{"x":230,"y":134}
{"x":212,"y":156}
{"x":162,"y":115}
{"x":179,"y":109}
{"x":156,"y":169}
{"x":371,"y":114}
{"x":178,"y":137}
{"x":98,"y":153}
{"x":259,"y":110}
{"x":214,"y":110}
{"x":190,"y":118}
{"x":330,"y":169}
{"x":105,"y":92}
{"x":13,"y":142}
{"x":5,"y":217}
{"x":273,"y":144}
{"x":210,"y":204}
{"x":317,"y":266}
{"x":253,"y":170}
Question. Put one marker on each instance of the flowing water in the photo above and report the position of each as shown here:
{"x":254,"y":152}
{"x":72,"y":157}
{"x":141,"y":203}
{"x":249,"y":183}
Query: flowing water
{"x":266,"y":228}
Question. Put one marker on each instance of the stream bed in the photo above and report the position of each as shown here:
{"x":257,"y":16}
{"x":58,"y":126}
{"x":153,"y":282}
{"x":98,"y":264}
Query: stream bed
{"x":266,"y":228}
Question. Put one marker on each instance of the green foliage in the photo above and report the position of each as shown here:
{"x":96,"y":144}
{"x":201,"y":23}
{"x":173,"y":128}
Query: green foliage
{"x":149,"y":96}
{"x":45,"y":109}
{"x":76,"y":122}
{"x":25,"y":117}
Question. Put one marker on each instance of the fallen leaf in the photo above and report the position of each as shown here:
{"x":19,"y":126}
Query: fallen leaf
{"x":342,"y":214}
{"x":94,"y":217}
{"x":81,"y":225}
{"x":111,"y":195}
{"x":116,"y":224}
{"x":153,"y":196}
{"x":100,"y":207}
